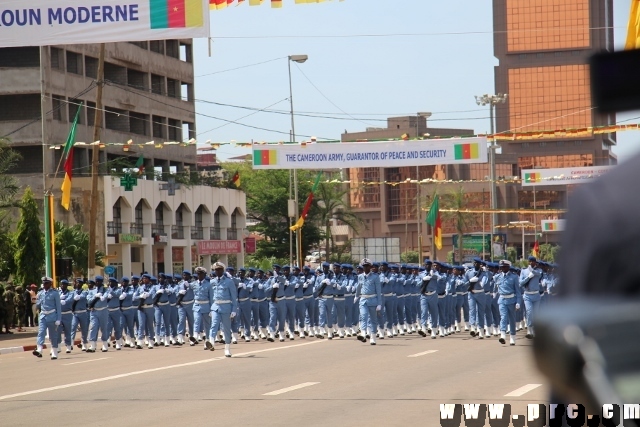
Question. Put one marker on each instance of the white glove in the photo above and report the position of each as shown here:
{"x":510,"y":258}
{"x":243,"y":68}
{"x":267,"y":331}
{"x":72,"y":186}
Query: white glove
{"x":260,"y":286}
{"x":160,"y":291}
{"x":484,"y":268}
{"x":531,"y":275}
{"x":229,"y":275}
{"x":182,"y":292}
{"x":379,"y":308}
{"x":76,"y":297}
{"x":57,"y":323}
{"x":297,"y":285}
{"x":335,"y":285}
{"x":276,"y":286}
{"x":211,"y":314}
{"x":309,"y":281}
{"x":327,"y":281}
{"x":386,"y":280}
{"x":339,"y":287}
{"x":99,"y":295}
{"x":426,"y":278}
{"x":286,"y":283}
{"x":233,"y":314}
{"x":306,"y":285}
{"x":145,"y":295}
{"x":62,"y":302}
{"x":103,"y":298}
{"x":517,"y":306}
{"x":110,"y":296}
{"x":473,"y":280}
{"x":122,"y":296}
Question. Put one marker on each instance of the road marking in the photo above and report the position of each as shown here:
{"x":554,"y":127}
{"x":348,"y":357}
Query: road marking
{"x":146,"y":371}
{"x":522,"y":390}
{"x":288,"y":389}
{"x":84,"y":361}
{"x":423,"y":353}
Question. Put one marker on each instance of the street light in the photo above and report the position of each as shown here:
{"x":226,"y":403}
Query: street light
{"x":298,"y":59}
{"x":523,"y":224}
{"x":492,"y":101}
{"x":426,"y":115}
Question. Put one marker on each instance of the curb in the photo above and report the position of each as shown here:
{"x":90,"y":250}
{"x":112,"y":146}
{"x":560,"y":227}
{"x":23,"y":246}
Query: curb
{"x":20,"y":349}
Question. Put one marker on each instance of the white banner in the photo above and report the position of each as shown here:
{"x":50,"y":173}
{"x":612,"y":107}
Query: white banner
{"x":550,"y":225}
{"x":54,"y":22}
{"x":562,"y":176}
{"x":370,"y":154}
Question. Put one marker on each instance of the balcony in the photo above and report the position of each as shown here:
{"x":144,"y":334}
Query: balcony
{"x":177,"y":232}
{"x":114,"y":228}
{"x":137,"y":229}
{"x":158,"y":230}
{"x":197,"y":233}
{"x":214,"y":234}
{"x":232,"y":234}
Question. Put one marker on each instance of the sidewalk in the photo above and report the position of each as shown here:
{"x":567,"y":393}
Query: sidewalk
{"x":19,"y":341}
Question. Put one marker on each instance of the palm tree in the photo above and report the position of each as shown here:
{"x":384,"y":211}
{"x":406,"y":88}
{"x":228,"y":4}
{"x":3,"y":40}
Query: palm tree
{"x":457,"y":202}
{"x":332,"y":205}
{"x":73,"y":242}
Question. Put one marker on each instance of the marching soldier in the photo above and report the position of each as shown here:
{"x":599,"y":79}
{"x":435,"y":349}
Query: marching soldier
{"x":184,"y":302}
{"x":259,"y":304}
{"x":369,"y":299}
{"x":160,"y":293}
{"x":441,"y":289}
{"x":531,"y":287}
{"x":429,"y":299}
{"x":309,"y":314}
{"x":509,"y":300}
{"x":349,"y":284}
{"x":203,"y":295}
{"x":476,"y":279}
{"x":224,"y":308}
{"x":48,"y":302}
{"x":245,"y":288}
{"x":66,"y":319}
{"x":172,"y":332}
{"x":80,"y":314}
{"x":128,"y":312}
{"x":144,"y":300}
{"x":290,"y":300}
{"x":277,"y":304}
{"x":324,"y":290}
{"x":98,"y":315}
{"x":113,"y":308}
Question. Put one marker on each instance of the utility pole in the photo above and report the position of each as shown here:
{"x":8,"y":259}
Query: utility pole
{"x":95,"y":160}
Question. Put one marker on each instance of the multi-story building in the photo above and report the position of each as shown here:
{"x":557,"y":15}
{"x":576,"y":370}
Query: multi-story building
{"x":148,"y":100}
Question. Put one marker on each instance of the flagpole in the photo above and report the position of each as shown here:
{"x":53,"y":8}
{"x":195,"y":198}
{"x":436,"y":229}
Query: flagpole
{"x":97,"y":123}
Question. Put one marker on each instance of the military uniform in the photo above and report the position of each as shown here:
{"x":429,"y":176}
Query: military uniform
{"x":66,"y":301}
{"x":115,"y":314}
{"x":143,"y":300}
{"x":476,"y":278}
{"x":530,"y":286}
{"x":224,"y":307}
{"x":128,"y":313}
{"x":509,"y":300}
{"x":203,"y":295}
{"x":98,"y":315}
{"x":324,"y":290}
{"x":369,"y":299}
{"x":80,"y":315}
{"x":48,"y":303}
{"x":185,"y":300}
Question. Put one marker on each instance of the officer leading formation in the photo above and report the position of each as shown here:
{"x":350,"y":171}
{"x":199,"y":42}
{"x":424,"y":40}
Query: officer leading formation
{"x":369,"y":302}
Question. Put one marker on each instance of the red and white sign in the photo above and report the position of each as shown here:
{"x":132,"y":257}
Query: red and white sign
{"x":250,"y":245}
{"x":219,"y":247}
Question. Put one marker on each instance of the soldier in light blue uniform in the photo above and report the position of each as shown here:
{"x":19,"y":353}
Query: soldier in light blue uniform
{"x":410,"y":293}
{"x":259,"y":305}
{"x":224,"y":307}
{"x":160,"y":293}
{"x":290,"y":300}
{"x":462,"y":290}
{"x":476,"y":278}
{"x":80,"y":314}
{"x":531,"y":287}
{"x":277,"y":303}
{"x":424,"y":279}
{"x":114,"y":322}
{"x":184,"y":301}
{"x":98,"y":315}
{"x":203,"y":295}
{"x":495,"y":308}
{"x":235,"y":321}
{"x":509,"y":300}
{"x":299,"y":302}
{"x":401,"y":299}
{"x":339,"y":298}
{"x":135,"y":282}
{"x":173,"y":309}
{"x":48,"y":302}
{"x":308,"y":317}
{"x":369,"y":300}
{"x":66,"y":299}
{"x":143,"y":300}
{"x":349,"y":283}
{"x":488,"y":297}
{"x":441,"y":289}
{"x":324,"y":290}
{"x":429,"y":298}
{"x":245,"y":289}
{"x":450,"y":301}
{"x":128,"y":313}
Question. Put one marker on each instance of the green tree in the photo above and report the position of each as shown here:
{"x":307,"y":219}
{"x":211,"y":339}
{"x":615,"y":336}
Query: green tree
{"x":457,"y":201}
{"x":72,"y":242}
{"x":8,"y":190}
{"x":512,"y":254}
{"x":410,"y":257}
{"x":29,"y":242}
{"x":549,"y":252}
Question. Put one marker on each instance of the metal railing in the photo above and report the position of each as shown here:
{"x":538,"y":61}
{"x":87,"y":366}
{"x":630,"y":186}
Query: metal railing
{"x":214,"y":233}
{"x":232,"y":234}
{"x":177,"y":232}
{"x":158,"y":230}
{"x":197,"y":233}
{"x":137,"y":229}
{"x":114,"y":228}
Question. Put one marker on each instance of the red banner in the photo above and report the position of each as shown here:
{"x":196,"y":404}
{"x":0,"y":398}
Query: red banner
{"x":250,"y":245}
{"x":219,"y":247}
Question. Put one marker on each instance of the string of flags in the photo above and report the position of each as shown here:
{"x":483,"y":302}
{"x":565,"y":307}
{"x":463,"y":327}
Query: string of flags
{"x":275,"y":4}
{"x":507,"y":211}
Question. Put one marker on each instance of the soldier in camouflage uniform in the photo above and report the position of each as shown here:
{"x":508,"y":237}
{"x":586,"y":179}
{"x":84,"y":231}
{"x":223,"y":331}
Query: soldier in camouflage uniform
{"x":3,"y":311}
{"x":10,"y":305}
{"x":20,"y":307}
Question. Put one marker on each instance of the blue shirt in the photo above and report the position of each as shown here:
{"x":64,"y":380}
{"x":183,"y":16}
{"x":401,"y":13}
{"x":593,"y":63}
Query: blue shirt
{"x":49,"y":301}
{"x":81,"y":304}
{"x":92,"y":296}
{"x":225,"y":295}
{"x":113,"y":295}
{"x":66,"y":300}
{"x":531,"y":280}
{"x":203,"y":295}
{"x":328,"y":289}
{"x":142,"y":289}
{"x":482,"y":279}
{"x":369,"y":289}
{"x":508,"y":284}
{"x":127,"y":291}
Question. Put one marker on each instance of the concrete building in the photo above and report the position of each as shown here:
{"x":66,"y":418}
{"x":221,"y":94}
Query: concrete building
{"x":148,"y":100}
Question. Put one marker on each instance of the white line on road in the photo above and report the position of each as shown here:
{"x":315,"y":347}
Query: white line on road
{"x":522,"y":390}
{"x":423,"y":353}
{"x":146,"y":371}
{"x":84,"y":361}
{"x":288,"y":389}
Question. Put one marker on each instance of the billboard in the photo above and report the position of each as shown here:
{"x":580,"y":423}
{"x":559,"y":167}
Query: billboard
{"x":552,"y":225}
{"x":472,"y":245}
{"x":219,"y":247}
{"x":562,"y":176}
{"x":55,"y":22}
{"x":370,"y":154}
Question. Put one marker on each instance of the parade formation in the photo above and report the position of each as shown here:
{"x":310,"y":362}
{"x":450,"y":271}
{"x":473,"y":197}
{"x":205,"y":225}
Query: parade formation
{"x":371,"y":301}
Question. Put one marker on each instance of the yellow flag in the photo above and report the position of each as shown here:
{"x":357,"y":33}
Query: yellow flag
{"x":633,"y":29}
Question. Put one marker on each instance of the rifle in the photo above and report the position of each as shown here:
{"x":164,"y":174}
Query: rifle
{"x":93,"y":303}
{"x":124,"y":290}
{"x":274,"y":292}
{"x":181,"y":296}
{"x":322,"y":287}
{"x":157,"y":296}
{"x":141,"y":303}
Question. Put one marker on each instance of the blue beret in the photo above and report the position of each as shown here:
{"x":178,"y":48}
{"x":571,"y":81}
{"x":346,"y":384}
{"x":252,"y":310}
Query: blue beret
{"x":384,"y":263}
{"x":458,"y":267}
{"x":260,"y":271}
{"x":113,"y":279}
{"x":532,"y":258}
{"x":295,"y":267}
{"x":161,"y":275}
{"x":79,"y":279}
{"x":252,"y":269}
{"x":344,"y":265}
{"x":476,"y":259}
{"x":275,"y":266}
{"x":177,"y":276}
{"x":326,"y":264}
{"x":148,"y":276}
{"x":99,"y":278}
{"x":307,"y":268}
{"x":125,"y":279}
{"x":404,"y":266}
{"x":427,"y":261}
{"x":286,"y":267}
{"x":242,"y":269}
{"x":230,"y":268}
{"x":186,"y":272}
{"x":92,"y":281}
{"x":375,"y":264}
{"x":395,"y":266}
{"x":359,"y":267}
{"x":422,"y":268}
{"x":135,"y":278}
{"x":153,"y":278}
{"x":65,"y":281}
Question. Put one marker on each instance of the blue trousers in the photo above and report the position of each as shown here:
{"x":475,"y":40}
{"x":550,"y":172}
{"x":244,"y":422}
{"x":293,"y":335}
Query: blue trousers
{"x":277,"y":315}
{"x":65,"y":325}
{"x":43,"y":326}
{"x":291,"y":314}
{"x":508,"y":315}
{"x":349,"y":309}
{"x":80,"y":318}
{"x":488,"y":299}
{"x":173,"y":320}
{"x":201,"y":320}
{"x":531,"y":304}
{"x":128,"y":316}
{"x":145,"y":323}
{"x":221,"y":321}
{"x":260,"y":314}
{"x":325,"y":306}
{"x":400,"y":310}
{"x":301,"y":311}
{"x":185,"y":314}
{"x":115,"y":324}
{"x":98,"y":319}
{"x":311,"y":316}
{"x":429,"y":307}
{"x":162,"y":316}
{"x":389,"y":310}
{"x":340,"y":307}
{"x":368,"y":317}
{"x":495,"y":310}
{"x":245,"y":317}
{"x":442,"y":312}
{"x":476,"y":309}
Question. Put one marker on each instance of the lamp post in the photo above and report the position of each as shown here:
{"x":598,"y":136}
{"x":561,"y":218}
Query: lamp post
{"x":522,"y":224}
{"x":492,"y":101}
{"x":426,"y":115}
{"x":299,"y":59}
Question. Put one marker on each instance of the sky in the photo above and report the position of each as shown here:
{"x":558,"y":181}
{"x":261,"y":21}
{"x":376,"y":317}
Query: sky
{"x":368,"y":60}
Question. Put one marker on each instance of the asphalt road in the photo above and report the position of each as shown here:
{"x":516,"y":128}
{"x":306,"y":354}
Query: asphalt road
{"x":303,"y":382}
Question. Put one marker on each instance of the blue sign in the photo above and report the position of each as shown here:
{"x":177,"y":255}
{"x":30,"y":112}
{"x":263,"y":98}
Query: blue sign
{"x":109,"y":269}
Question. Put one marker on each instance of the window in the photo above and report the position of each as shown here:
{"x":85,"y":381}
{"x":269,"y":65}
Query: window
{"x":157,"y":84}
{"x":188,"y":131}
{"x":141,"y":45}
{"x":91,"y":113}
{"x":116,"y":119}
{"x":173,"y":49}
{"x":136,"y":79}
{"x":363,"y":194}
{"x":57,"y":60}
{"x":20,"y":107}
{"x":157,"y":46}
{"x":74,"y":105}
{"x":174,"y":129}
{"x":74,"y":63}
{"x":91,"y":67}
{"x":159,"y":127}
{"x":115,"y":73}
{"x":172,"y":88}
{"x":19,"y":57}
{"x":139,"y":123}
{"x":58,"y":105}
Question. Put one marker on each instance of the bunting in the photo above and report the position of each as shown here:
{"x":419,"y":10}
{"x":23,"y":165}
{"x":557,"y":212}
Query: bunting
{"x":276,"y":4}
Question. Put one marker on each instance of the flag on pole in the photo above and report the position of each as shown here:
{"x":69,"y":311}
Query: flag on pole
{"x":536,"y":248}
{"x":68,"y":163}
{"x":307,"y":205}
{"x":140,"y":165}
{"x":49,"y":238}
{"x":434,"y":220}
{"x":255,"y":2}
{"x":236,"y":179}
{"x":276,"y":4}
{"x":633,"y":28}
